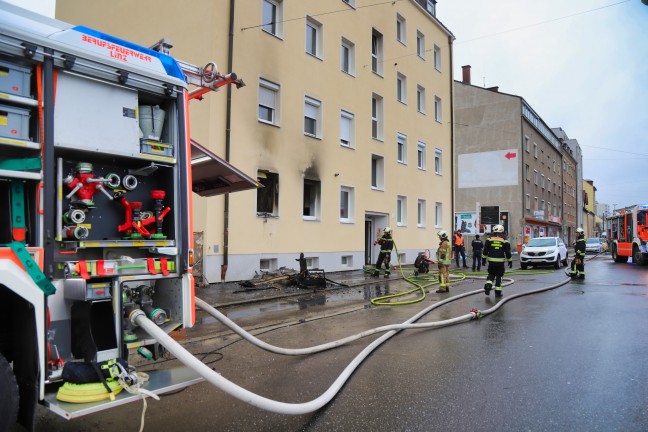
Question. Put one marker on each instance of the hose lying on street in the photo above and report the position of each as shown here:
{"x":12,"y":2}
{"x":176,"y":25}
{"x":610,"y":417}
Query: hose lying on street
{"x":139,"y":318}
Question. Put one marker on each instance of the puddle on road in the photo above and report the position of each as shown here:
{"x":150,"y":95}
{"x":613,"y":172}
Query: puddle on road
{"x":302,"y":302}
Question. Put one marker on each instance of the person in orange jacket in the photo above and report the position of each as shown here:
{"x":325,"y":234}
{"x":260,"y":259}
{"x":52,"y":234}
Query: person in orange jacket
{"x":460,"y":248}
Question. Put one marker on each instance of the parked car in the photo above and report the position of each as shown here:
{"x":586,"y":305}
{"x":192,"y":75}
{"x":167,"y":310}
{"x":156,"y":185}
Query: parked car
{"x":594,"y":245}
{"x":544,"y":251}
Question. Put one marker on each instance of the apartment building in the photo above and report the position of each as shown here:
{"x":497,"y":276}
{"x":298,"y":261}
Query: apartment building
{"x":345,"y":120}
{"x":570,"y":190}
{"x":589,"y":209}
{"x":509,"y":164}
{"x":573,"y":149}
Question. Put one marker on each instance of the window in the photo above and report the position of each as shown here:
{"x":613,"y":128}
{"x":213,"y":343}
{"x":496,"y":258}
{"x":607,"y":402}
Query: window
{"x":377,"y":52}
{"x":347,"y":129}
{"x":401,"y":88}
{"x":527,"y":174}
{"x":272,"y":17}
{"x":420,"y":155}
{"x":420,"y":44}
{"x":268,"y":265}
{"x":431,"y":7}
{"x":548,"y":185}
{"x":312,"y":262}
{"x":347,"y":204}
{"x":401,"y":210}
{"x":438,"y":157}
{"x":313,"y":37}
{"x":535,"y":177}
{"x":535,"y":199}
{"x":347,"y":57}
{"x":420,"y":99}
{"x":542,"y":181}
{"x":526,"y":143}
{"x":437,"y":58}
{"x":437,"y":109}
{"x":377,"y":172}
{"x":542,"y":157}
{"x":268,"y":195}
{"x":438,"y":215}
{"x":268,"y":102}
{"x":401,"y":31}
{"x":312,"y":112}
{"x":376,"y":117}
{"x":535,"y":150}
{"x":401,"y":152}
{"x":527,"y":202}
{"x":346,"y":260}
{"x":312,"y":199}
{"x":420,"y":217}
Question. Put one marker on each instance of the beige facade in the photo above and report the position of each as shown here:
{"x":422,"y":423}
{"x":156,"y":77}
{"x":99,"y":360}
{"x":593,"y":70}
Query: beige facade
{"x":570,"y":203}
{"x":508,"y":161}
{"x":345,"y":118}
{"x":589,"y":209}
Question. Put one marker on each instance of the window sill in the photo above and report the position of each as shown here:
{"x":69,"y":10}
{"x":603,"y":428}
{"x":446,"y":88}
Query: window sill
{"x":265,"y":122}
{"x":311,"y":218}
{"x":421,"y":168}
{"x":347,"y":221}
{"x":349,"y":146}
{"x":312,"y":136}
{"x":351,"y":74}
{"x":378,"y":74}
{"x":315,"y":56}
{"x":267,"y":216}
{"x":277,"y":36}
{"x":375,"y":188}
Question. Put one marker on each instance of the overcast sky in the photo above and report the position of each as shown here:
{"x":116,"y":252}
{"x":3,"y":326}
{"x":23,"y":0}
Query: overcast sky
{"x":581,"y":64}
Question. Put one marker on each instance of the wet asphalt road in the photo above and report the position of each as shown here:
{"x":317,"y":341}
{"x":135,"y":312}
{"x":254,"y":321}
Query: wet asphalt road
{"x":571,"y":359}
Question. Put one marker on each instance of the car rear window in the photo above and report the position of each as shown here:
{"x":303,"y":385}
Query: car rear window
{"x":593,"y":240}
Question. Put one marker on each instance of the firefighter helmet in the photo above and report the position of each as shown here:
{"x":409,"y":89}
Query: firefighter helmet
{"x":580,"y":231}
{"x":498,"y":229}
{"x":443,"y":234}
{"x":387,"y":230}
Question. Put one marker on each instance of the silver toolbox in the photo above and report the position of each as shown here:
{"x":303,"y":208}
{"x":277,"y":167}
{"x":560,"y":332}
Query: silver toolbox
{"x":15,"y":80}
{"x":14,"y":122}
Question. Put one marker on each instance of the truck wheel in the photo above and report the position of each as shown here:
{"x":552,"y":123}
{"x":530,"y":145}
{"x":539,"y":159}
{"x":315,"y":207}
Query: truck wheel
{"x":8,"y":395}
{"x":637,"y":257}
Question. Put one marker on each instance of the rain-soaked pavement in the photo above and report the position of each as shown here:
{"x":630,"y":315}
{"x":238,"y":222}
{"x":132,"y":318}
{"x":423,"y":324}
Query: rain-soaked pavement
{"x":569,"y":359}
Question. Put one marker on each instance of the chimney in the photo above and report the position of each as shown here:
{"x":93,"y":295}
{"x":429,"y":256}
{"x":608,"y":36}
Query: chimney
{"x":466,"y":74}
{"x":493,"y":89}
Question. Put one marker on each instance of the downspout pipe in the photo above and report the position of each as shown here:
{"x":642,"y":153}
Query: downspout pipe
{"x":228,"y":124}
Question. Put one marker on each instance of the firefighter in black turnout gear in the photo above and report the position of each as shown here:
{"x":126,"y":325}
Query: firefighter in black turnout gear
{"x":578,"y":263}
{"x":497,"y":251}
{"x":386,"y":243}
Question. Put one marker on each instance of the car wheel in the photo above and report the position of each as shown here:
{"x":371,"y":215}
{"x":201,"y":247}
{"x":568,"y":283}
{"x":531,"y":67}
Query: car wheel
{"x":566,"y":260}
{"x":523,"y":266}
{"x":557,"y":262}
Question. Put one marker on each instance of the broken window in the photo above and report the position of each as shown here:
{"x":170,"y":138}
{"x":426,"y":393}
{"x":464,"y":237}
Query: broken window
{"x":311,"y":199}
{"x":268,"y":195}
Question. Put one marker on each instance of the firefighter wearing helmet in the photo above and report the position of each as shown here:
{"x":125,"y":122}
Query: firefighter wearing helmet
{"x":444,"y":258}
{"x":386,"y":243}
{"x":578,"y":263}
{"x":497,"y":251}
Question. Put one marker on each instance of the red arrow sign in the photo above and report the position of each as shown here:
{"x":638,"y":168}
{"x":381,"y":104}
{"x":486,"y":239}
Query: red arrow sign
{"x":510,"y":155}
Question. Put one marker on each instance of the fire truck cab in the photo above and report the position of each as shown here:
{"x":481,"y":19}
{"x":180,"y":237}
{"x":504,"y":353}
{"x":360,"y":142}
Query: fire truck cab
{"x":97,"y":171}
{"x":627,"y":234}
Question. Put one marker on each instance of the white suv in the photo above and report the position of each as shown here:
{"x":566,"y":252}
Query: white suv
{"x":544,"y":251}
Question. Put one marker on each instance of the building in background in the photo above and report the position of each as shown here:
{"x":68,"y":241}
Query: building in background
{"x":345,"y":120}
{"x":589,"y":209}
{"x":509,"y":163}
{"x":577,"y":154}
{"x":570,"y":170}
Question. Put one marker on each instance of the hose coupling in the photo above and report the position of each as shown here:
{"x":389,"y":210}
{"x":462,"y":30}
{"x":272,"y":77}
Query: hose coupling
{"x":134,"y":314}
{"x":476,"y":314}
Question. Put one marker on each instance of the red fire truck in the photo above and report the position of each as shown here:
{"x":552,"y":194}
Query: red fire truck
{"x":97,"y":171}
{"x":628,"y":233}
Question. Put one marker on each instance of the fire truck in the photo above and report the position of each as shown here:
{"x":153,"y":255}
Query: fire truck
{"x":627,"y":234}
{"x":97,"y":171}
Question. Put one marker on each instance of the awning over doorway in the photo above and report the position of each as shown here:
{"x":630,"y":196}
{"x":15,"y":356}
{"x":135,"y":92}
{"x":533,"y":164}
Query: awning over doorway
{"x":213,"y":175}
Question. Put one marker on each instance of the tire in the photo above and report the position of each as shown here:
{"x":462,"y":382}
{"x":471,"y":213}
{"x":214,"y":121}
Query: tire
{"x":523,"y":266}
{"x":637,"y":257}
{"x":557,"y":263}
{"x":566,"y":260}
{"x":616,"y":257}
{"x":8,"y":396}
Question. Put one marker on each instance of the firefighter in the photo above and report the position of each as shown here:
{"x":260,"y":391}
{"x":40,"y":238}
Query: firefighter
{"x":578,"y":263}
{"x":386,"y":243}
{"x":444,"y":258}
{"x":497,"y":251}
